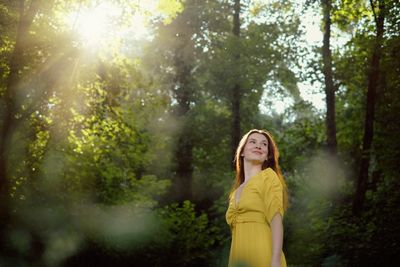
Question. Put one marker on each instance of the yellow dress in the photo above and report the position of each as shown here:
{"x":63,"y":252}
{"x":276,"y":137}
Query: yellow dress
{"x":249,"y":219}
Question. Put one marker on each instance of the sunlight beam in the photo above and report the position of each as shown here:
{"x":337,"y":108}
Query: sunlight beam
{"x":106,"y":23}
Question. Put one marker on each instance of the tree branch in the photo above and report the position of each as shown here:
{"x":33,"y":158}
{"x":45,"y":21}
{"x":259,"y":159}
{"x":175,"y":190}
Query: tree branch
{"x":373,"y":11}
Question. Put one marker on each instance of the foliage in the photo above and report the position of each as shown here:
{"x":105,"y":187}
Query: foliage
{"x":172,"y":236}
{"x":92,"y":156}
{"x":191,"y":237}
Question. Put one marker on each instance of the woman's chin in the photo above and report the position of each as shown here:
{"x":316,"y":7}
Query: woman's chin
{"x":255,"y":161}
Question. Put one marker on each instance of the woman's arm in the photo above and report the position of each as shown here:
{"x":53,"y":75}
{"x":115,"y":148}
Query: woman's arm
{"x":277,"y":240}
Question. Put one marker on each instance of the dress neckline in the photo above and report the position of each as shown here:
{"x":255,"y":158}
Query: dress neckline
{"x":244,"y":185}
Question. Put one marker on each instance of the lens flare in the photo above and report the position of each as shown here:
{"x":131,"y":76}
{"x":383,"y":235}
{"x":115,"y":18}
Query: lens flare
{"x":106,"y":23}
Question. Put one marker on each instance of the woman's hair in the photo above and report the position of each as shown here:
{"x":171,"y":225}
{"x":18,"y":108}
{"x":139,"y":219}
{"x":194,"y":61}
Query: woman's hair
{"x":272,"y":162}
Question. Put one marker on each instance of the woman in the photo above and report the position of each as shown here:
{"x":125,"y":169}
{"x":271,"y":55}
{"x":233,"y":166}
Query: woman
{"x":257,"y":203}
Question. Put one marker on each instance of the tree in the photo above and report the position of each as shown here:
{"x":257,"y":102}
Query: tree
{"x":236,"y":89}
{"x":16,"y":64}
{"x":328,"y":75}
{"x":373,"y":84}
{"x":176,"y":67}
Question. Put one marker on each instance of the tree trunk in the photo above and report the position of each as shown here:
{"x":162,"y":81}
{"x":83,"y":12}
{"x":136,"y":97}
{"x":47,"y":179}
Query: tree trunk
{"x":373,"y":83}
{"x":10,"y":106}
{"x":236,"y":95}
{"x":184,"y":145}
{"x":329,"y":86}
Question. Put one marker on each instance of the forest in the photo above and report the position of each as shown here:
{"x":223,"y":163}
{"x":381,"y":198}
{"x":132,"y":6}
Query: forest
{"x":119,"y":121}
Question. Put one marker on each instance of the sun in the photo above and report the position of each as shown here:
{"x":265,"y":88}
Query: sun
{"x":102,"y":24}
{"x":93,"y":25}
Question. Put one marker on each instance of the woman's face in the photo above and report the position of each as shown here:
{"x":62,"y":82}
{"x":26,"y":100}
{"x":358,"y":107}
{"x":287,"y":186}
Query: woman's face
{"x":256,"y":148}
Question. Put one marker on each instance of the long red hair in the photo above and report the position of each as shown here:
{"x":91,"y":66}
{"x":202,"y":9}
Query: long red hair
{"x":272,"y":162}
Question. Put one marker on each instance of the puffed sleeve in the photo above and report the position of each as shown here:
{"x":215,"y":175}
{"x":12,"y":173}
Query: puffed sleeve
{"x":273,"y":195}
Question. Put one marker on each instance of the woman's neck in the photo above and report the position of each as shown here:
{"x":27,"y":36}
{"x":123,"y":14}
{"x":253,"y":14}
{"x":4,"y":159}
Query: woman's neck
{"x":250,"y":170}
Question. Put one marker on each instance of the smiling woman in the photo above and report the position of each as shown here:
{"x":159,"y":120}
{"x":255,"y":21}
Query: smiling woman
{"x":257,"y":203}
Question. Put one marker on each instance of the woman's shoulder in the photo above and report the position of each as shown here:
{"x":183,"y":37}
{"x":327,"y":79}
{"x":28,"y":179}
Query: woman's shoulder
{"x":269,"y":177}
{"x":269,"y":174}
